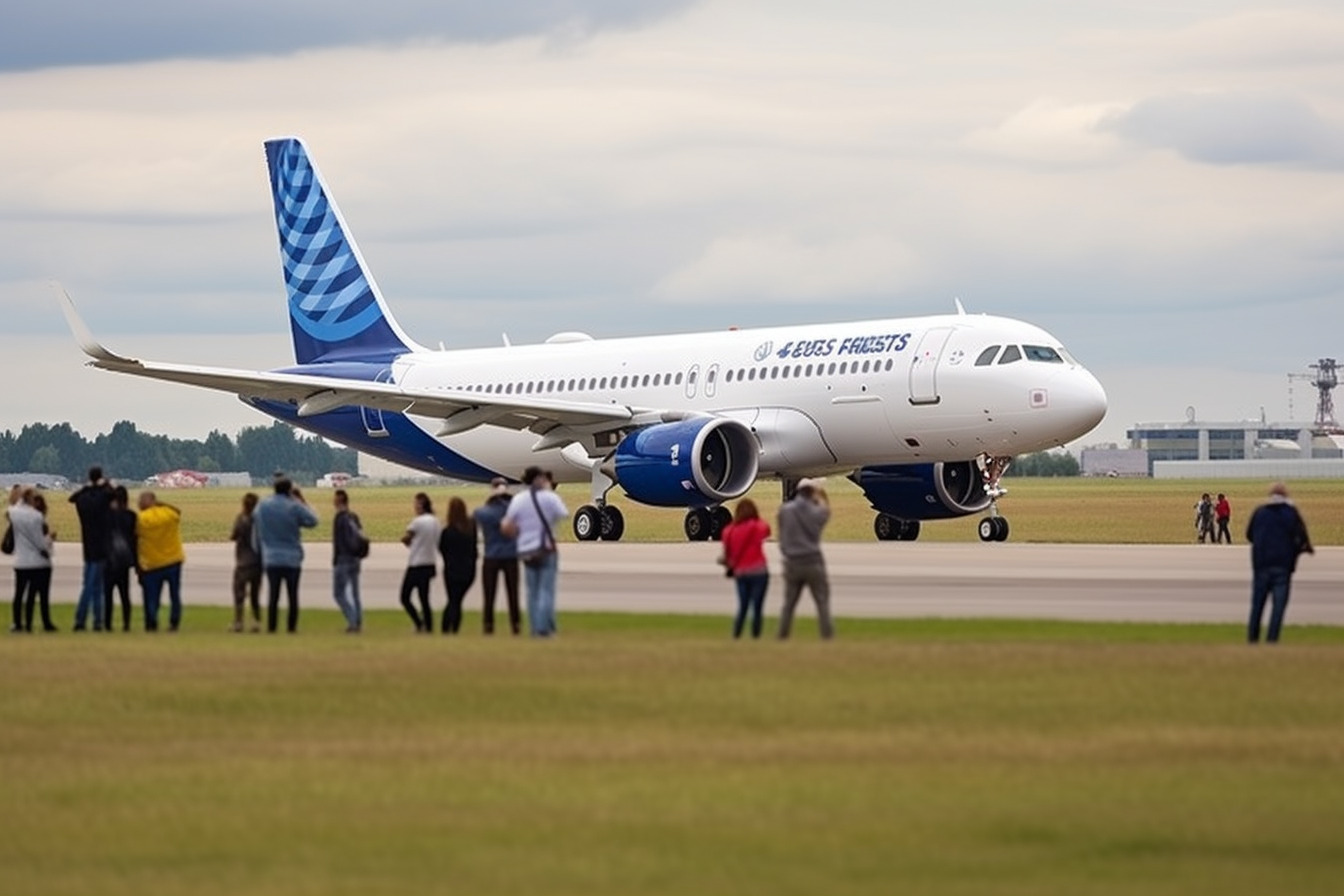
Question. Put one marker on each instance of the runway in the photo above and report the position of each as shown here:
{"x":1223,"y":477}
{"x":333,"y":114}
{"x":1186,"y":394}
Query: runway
{"x":1135,"y":583}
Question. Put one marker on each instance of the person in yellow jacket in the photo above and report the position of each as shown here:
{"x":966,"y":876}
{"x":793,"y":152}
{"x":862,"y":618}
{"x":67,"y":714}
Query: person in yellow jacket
{"x":158,"y":533}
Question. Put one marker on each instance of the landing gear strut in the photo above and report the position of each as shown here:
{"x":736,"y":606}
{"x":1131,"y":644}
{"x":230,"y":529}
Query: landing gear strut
{"x":993,"y":527}
{"x":599,"y":519}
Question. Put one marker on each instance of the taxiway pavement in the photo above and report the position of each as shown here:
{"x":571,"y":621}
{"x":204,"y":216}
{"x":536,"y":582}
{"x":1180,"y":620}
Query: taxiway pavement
{"x":1155,"y":583}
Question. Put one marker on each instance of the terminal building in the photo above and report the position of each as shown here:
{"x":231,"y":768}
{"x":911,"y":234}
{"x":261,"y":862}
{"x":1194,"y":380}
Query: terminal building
{"x":1195,"y":449}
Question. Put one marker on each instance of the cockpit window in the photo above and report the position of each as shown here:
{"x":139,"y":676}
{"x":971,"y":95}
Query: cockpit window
{"x":1042,"y":353}
{"x":1010,"y":354}
{"x":987,"y":356}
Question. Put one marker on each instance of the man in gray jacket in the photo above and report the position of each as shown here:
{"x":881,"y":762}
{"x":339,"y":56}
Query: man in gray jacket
{"x":801,"y":520}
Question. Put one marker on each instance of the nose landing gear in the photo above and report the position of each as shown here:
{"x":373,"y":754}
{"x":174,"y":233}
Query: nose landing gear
{"x":993,"y":527}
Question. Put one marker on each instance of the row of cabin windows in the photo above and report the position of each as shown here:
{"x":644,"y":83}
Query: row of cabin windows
{"x":742,"y":374}
{"x":798,"y":371}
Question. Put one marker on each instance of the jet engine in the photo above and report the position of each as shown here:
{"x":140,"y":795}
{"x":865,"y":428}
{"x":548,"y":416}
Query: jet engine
{"x":689,"y":463}
{"x":935,"y":491}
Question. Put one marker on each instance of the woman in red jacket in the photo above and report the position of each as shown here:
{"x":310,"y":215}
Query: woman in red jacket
{"x":744,"y":556}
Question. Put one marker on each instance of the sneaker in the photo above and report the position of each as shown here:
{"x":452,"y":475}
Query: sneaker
{"x":15,"y":629}
{"x":236,"y":627}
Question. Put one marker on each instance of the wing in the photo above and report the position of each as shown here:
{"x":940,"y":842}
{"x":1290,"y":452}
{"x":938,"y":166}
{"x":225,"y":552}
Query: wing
{"x":558,"y":422}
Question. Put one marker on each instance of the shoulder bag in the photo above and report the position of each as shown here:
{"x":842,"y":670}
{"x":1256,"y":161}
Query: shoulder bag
{"x":538,"y":558}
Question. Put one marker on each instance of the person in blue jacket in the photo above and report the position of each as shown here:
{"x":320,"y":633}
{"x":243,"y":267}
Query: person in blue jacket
{"x":277,"y":528}
{"x":1278,"y":535}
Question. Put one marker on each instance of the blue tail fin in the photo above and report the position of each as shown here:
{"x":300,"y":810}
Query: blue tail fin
{"x":335,"y":310}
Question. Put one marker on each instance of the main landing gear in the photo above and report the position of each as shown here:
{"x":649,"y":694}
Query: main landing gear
{"x":993,"y":527}
{"x":706,"y":523}
{"x":605,"y":522}
{"x":889,"y":528}
{"x":599,"y":519}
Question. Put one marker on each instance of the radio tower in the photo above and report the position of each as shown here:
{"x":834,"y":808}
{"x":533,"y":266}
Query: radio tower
{"x":1327,"y":378}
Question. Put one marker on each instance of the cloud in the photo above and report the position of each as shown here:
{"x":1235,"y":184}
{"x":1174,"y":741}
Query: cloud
{"x":781,"y":268}
{"x":1049,"y":132}
{"x":1234,"y":129}
{"x":93,"y":32}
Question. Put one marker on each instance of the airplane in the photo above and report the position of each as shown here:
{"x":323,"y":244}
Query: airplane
{"x":924,"y":414}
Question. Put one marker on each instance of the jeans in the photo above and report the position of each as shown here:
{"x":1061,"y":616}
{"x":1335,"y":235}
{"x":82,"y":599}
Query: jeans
{"x":289,"y":575}
{"x":91,"y":595}
{"x":416,"y":580}
{"x":1269,"y":583}
{"x":491,"y":568}
{"x":540,"y":582}
{"x":345,"y":590}
{"x":152,"y":581}
{"x":452,"y":612}
{"x":117,"y":582}
{"x":750,"y":598}
{"x":813,"y":575}
{"x":30,"y":586}
{"x":246,"y":586}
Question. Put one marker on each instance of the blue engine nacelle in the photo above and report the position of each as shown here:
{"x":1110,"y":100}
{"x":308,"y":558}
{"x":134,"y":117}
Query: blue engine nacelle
{"x":937,"y":491}
{"x":690,"y":463}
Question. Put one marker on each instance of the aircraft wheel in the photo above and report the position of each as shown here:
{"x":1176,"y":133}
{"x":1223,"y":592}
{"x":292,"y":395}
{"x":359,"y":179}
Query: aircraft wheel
{"x":886,"y":527}
{"x":613,"y":523}
{"x":722,"y":516}
{"x":989,"y":528}
{"x":699,"y":524}
{"x":909,"y":530}
{"x":587,"y":523}
{"x":1002,"y":534}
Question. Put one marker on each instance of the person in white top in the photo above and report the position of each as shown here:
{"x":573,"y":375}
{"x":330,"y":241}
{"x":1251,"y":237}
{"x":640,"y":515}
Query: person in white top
{"x":422,"y":537}
{"x":531,"y":516}
{"x":33,"y":541}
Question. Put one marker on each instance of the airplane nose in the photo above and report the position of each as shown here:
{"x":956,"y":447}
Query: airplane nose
{"x":1088,"y":400}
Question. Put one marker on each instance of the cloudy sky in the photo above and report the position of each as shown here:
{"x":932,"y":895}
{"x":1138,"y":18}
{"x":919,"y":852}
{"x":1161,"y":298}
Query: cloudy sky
{"x":1161,"y":185}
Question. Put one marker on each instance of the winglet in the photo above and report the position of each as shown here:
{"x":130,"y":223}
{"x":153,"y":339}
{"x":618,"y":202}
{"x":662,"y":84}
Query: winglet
{"x":83,"y":335}
{"x":960,"y":309}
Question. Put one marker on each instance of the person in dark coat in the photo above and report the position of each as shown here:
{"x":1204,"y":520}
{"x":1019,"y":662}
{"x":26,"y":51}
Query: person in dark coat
{"x":457,"y":546}
{"x":121,"y":558}
{"x":93,"y":503}
{"x":499,"y":558}
{"x":1277,"y":535}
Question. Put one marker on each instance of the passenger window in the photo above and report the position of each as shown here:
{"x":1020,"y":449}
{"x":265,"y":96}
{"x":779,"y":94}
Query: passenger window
{"x":808,"y":370}
{"x":987,"y":356}
{"x":690,"y":377}
{"x":657,"y":379}
{"x":1042,"y":353}
{"x":1010,"y":354}
{"x":646,"y":379}
{"x":678,"y":379}
{"x":889,"y":363}
{"x":865,"y":366}
{"x":785,"y":373}
{"x":830,"y":370}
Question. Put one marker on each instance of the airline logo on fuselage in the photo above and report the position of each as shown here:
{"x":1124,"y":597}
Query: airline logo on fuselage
{"x":877,"y":344}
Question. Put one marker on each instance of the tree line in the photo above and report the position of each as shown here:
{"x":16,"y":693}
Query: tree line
{"x":127,"y":453}
{"x":1045,"y":463}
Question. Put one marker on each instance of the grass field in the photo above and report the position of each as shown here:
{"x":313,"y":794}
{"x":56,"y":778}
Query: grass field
{"x":1074,"y":510}
{"x":640,"y":754}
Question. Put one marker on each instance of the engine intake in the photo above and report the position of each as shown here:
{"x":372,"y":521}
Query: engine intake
{"x":689,"y":463}
{"x":935,"y":491}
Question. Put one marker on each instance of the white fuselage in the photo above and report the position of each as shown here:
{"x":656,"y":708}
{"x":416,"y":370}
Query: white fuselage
{"x":820,"y":399}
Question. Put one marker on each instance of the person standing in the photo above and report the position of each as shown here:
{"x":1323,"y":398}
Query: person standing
{"x":801,"y":521}
{"x":1223,"y":512}
{"x":93,"y":503}
{"x":1277,"y":535}
{"x":421,"y":537}
{"x":158,"y":540}
{"x":349,"y":547}
{"x":1204,"y":518}
{"x":279,"y":522}
{"x":457,"y":546}
{"x":744,"y":558}
{"x":500,"y":557}
{"x":33,"y":542}
{"x":529,"y":518}
{"x":246,"y":565}
{"x":121,"y":558}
